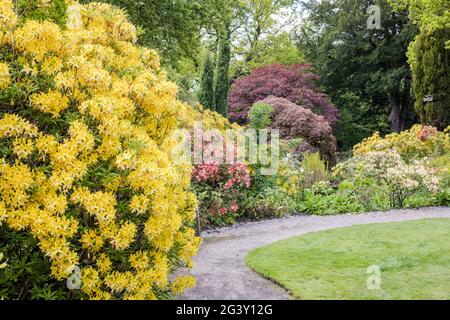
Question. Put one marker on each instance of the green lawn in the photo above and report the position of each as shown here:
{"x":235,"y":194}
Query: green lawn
{"x":414,"y":259}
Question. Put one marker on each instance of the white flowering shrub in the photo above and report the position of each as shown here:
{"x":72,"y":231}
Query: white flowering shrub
{"x":391,"y":174}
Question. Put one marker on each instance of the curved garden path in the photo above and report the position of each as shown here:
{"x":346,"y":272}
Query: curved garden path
{"x":220,"y":268}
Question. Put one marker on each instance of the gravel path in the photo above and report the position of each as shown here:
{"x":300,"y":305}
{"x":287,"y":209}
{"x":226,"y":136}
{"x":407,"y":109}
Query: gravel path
{"x":220,"y":268}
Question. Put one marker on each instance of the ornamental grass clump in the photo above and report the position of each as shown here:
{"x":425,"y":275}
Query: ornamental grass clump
{"x":87,"y":186}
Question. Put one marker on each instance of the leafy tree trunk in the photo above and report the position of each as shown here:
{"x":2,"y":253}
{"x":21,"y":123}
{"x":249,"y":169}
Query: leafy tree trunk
{"x":402,"y":114}
{"x":223,"y":66}
{"x":206,"y":94}
{"x":395,"y":116}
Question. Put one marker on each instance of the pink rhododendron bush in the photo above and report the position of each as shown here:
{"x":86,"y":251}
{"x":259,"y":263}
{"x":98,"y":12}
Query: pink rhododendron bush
{"x":91,"y":204}
{"x":220,"y":188}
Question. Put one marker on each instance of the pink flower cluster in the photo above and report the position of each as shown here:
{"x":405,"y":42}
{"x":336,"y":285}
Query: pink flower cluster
{"x":220,"y":184}
{"x":240,"y":176}
{"x":206,"y":171}
{"x":234,"y":208}
{"x":427,"y":132}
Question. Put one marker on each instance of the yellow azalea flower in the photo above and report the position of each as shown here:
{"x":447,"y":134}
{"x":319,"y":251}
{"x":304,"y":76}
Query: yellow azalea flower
{"x":139,"y":203}
{"x":52,"y":102}
{"x":182,"y":283}
{"x":8,"y":18}
{"x":4,"y":76}
{"x":38,"y":39}
{"x":103,"y":263}
{"x":124,"y":236}
{"x":91,"y":241}
{"x":23,"y":148}
{"x":90,"y":279}
{"x":89,"y":172}
{"x":3,"y":212}
{"x":139,"y":260}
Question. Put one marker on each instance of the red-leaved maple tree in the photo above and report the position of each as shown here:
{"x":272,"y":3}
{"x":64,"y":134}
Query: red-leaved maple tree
{"x":296,"y":83}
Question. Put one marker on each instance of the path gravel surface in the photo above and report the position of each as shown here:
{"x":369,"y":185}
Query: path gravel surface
{"x":220,"y":268}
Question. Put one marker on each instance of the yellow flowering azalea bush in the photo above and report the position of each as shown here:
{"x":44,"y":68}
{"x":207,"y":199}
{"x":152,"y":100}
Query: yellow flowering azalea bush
{"x":411,"y":167}
{"x":190,"y":115}
{"x":415,"y":143}
{"x":87,"y":185}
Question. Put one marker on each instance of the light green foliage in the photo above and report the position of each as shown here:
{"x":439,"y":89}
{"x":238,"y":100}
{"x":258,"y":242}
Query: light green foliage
{"x":54,"y":10}
{"x":278,"y":48}
{"x":429,"y":15}
{"x":267,"y":202}
{"x":323,"y":199}
{"x":296,"y":177}
{"x":2,"y":264}
{"x":273,"y":49}
{"x":260,"y":39}
{"x":171,"y":27}
{"x":260,"y":19}
{"x":412,"y":257}
{"x":314,"y":170}
{"x":259,"y":116}
{"x":185,"y":75}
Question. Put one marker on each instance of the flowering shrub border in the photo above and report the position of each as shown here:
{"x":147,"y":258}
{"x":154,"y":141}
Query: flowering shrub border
{"x":87,"y":186}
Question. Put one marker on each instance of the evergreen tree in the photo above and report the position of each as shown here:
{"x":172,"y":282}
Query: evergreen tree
{"x":429,"y":57}
{"x":365,"y":72}
{"x":430,"y":64}
{"x":206,"y":94}
{"x":223,"y":65}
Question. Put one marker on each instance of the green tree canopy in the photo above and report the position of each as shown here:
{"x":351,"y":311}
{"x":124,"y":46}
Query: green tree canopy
{"x":170,"y":26}
{"x":429,"y":15}
{"x":354,"y":61}
{"x":273,"y":49}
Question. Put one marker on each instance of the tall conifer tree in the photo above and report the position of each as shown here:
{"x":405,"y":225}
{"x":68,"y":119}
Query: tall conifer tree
{"x":206,"y":94}
{"x":223,"y":66}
